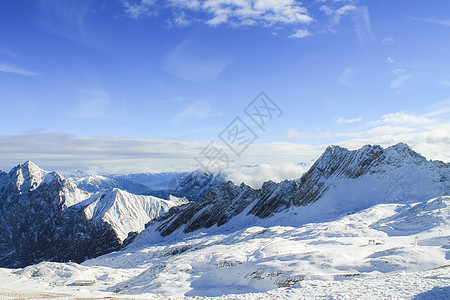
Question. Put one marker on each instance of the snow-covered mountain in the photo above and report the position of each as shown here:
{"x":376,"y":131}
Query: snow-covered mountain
{"x":46,"y":217}
{"x":339,"y":182}
{"x":126,"y":212}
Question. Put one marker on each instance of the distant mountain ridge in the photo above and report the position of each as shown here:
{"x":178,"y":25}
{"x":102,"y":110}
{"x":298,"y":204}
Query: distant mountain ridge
{"x":193,"y":186}
{"x":154,"y":181}
{"x":97,"y":183}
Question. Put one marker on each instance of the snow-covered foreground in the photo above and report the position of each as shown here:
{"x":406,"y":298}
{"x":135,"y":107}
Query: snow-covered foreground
{"x":386,"y":251}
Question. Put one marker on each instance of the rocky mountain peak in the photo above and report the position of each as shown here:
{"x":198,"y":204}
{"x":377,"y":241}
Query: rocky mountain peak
{"x":403,"y":152}
{"x":27,"y":176}
{"x":197,"y":184}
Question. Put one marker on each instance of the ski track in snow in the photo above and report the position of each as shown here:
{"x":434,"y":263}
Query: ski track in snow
{"x":327,"y":260}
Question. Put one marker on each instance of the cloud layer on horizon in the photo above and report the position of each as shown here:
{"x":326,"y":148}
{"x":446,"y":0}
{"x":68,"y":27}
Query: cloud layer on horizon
{"x":428,"y":134}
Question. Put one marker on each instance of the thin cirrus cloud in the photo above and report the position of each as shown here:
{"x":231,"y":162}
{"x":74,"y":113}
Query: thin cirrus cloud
{"x":444,"y":83}
{"x":197,"y":111}
{"x":400,"y":79}
{"x":7,"y":68}
{"x":189,"y":63}
{"x":347,"y":76}
{"x":66,"y":18}
{"x":96,"y":104}
{"x":363,"y":26}
{"x":431,"y":21}
{"x":7,"y":52}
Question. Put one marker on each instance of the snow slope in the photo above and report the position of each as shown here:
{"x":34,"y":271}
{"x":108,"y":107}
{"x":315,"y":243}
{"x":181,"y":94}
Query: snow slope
{"x":126,"y":212}
{"x":327,"y":260}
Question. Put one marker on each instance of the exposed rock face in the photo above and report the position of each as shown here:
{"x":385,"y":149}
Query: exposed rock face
{"x":351,"y":179}
{"x":45,"y":217}
{"x":221,"y":204}
{"x":196,"y":185}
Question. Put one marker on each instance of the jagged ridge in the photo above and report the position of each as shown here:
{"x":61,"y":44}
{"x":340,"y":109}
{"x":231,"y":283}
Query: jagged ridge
{"x":343,"y":180}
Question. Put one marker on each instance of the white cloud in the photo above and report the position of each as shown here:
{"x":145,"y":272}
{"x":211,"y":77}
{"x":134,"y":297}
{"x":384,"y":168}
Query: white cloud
{"x":6,"y":68}
{"x":402,"y":118}
{"x":234,"y":12}
{"x":431,"y":137}
{"x":243,"y":13}
{"x":346,"y":9}
{"x":348,"y":121}
{"x":257,"y":174}
{"x":390,"y":60}
{"x":190,"y":4}
{"x":326,"y":10}
{"x":181,"y":19}
{"x":431,"y":141}
{"x":197,"y":111}
{"x":57,"y":151}
{"x":400,"y":79}
{"x":300,"y":33}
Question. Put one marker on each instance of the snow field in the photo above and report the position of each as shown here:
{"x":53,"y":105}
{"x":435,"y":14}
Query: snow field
{"x":370,"y":254}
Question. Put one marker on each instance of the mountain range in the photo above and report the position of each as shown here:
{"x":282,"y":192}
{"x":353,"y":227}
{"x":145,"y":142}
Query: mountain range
{"x":47,"y":217}
{"x":339,"y":182}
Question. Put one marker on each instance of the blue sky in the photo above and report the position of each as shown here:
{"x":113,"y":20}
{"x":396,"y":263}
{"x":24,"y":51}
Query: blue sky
{"x":92,"y":75}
